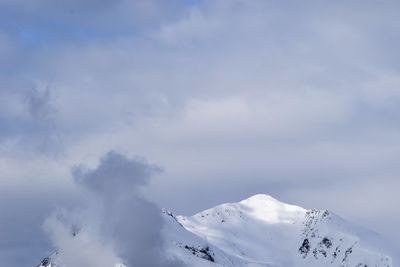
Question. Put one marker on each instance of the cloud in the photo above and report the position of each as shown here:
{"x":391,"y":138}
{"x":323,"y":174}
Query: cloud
{"x":115,"y":222}
{"x":116,"y":175}
{"x":231,"y":97}
{"x":23,"y":242}
{"x":83,"y":249}
{"x":39,"y":105}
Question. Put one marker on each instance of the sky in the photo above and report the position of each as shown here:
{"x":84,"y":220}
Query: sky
{"x":228,"y":98}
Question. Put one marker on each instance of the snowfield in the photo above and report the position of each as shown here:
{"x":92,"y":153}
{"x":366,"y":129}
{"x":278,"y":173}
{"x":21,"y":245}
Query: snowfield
{"x":262,"y":231}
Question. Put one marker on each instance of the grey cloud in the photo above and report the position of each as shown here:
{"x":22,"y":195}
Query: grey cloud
{"x":128,"y":224}
{"x":39,"y":104}
{"x":29,"y":120}
{"x":40,"y":130}
{"x":116,"y":175}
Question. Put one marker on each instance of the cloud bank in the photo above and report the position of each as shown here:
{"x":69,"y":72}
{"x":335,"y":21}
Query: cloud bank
{"x":233,"y":98}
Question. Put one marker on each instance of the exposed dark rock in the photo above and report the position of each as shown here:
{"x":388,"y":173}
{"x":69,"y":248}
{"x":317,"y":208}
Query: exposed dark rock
{"x":202,"y":252}
{"x":45,"y":262}
{"x":305,"y":248}
{"x":347,"y":253}
{"x":327,"y":242}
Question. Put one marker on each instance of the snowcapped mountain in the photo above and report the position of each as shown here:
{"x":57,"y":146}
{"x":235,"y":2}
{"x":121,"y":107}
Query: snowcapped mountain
{"x":262,"y":231}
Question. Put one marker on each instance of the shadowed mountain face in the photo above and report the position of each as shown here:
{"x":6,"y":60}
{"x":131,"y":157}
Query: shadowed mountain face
{"x":262,"y":231}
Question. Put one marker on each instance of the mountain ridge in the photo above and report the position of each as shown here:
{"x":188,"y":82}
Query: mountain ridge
{"x":263,"y":231}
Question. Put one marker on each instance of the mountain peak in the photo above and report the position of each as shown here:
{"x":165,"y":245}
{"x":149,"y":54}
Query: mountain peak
{"x":260,"y":197}
{"x":268,"y":209}
{"x":264,"y":199}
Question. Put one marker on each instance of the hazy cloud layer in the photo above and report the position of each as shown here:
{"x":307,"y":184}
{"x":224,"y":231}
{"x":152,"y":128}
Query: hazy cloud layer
{"x":231,"y":98}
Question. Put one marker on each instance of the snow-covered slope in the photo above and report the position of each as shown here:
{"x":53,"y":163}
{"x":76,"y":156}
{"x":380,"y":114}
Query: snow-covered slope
{"x":262,"y":231}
